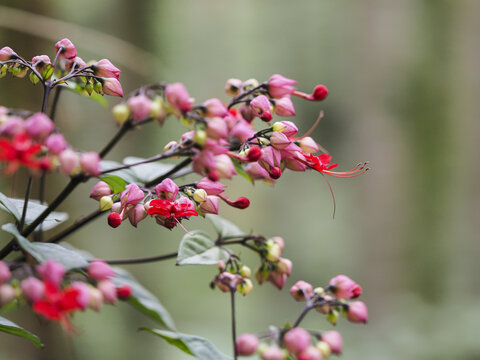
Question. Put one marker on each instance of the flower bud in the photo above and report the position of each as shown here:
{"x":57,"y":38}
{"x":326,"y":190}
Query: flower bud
{"x":334,"y":340}
{"x":254,"y":153}
{"x":200,"y":137}
{"x":132,"y":195}
{"x":320,"y":92}
{"x":284,"y":266}
{"x":66,"y":49}
{"x":210,"y":205}
{"x":310,"y":353}
{"x":158,"y":111}
{"x":233,"y":87}
{"x":39,"y":125}
{"x":241,"y":203}
{"x":247,"y":113}
{"x":137,"y":214}
{"x":121,"y":113}
{"x":245,"y":286}
{"x":332,"y":317}
{"x":217,"y":128}
{"x":100,"y":190}
{"x":4,"y":272}
{"x":69,"y":162}
{"x":106,"y":203}
{"x":279,"y":86}
{"x":245,"y":271}
{"x":140,"y":107}
{"x":90,"y":163}
{"x":324,"y":309}
{"x":108,"y":290}
{"x":41,"y":62}
{"x":275,"y":173}
{"x":55,"y":143}
{"x":112,"y":87}
{"x":214,"y":107}
{"x":278,"y":279}
{"x":221,"y":265}
{"x":273,"y":353}
{"x":96,"y":299}
{"x":14,"y":125}
{"x":177,"y":96}
{"x":324,"y":348}
{"x":211,"y":187}
{"x":274,"y":252}
{"x":167,"y":189}
{"x":51,"y":271}
{"x":261,"y":107}
{"x":256,"y":172}
{"x":357,"y":312}
{"x":246,"y":344}
{"x":124,"y":292}
{"x":301,"y":291}
{"x":7,"y":53}
{"x":104,"y":68}
{"x":99,"y":270}
{"x":84,"y":294}
{"x":344,"y":288}
{"x":225,"y":281}
{"x":224,"y":166}
{"x":32,"y":288}
{"x":7,"y":294}
{"x":114,"y":219}
{"x":250,"y":84}
{"x":200,"y":195}
{"x":284,"y":107}
{"x":76,"y":62}
{"x":296,"y":340}
{"x":308,"y":145}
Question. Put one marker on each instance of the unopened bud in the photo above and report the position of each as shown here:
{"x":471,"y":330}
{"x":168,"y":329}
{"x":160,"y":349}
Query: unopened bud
{"x":7,"y":294}
{"x":114,"y":219}
{"x":275,"y":173}
{"x":324,"y":348}
{"x":332,"y":317}
{"x":108,"y":290}
{"x":96,"y":299}
{"x":4,"y":272}
{"x":245,"y":286}
{"x":245,"y":271}
{"x":297,"y":340}
{"x":200,"y":137}
{"x":254,"y":153}
{"x":233,"y":87}
{"x":100,"y":190}
{"x":158,"y":111}
{"x":274,"y":252}
{"x":200,"y":195}
{"x":124,"y":292}
{"x":121,"y":113}
{"x":250,"y":84}
{"x":221,"y":265}
{"x":32,"y":288}
{"x":106,"y":203}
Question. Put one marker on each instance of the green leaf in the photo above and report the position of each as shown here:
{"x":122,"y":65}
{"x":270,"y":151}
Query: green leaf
{"x":126,"y":174}
{"x":224,"y":227}
{"x":147,"y":172}
{"x":142,"y":299}
{"x":8,"y":206}
{"x":116,"y":183}
{"x":9,"y":327}
{"x":44,"y":251}
{"x":241,"y":171}
{"x":78,"y":89}
{"x":193,"y":345}
{"x":197,"y":248}
{"x":34,"y":209}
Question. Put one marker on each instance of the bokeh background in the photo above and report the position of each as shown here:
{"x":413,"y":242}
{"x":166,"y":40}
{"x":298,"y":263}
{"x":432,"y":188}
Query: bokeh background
{"x":404,"y":85}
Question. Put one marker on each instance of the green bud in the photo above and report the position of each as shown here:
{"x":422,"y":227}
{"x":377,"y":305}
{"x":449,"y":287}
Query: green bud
{"x":245,"y":271}
{"x":324,"y":348}
{"x":250,"y":84}
{"x":121,"y":113}
{"x":200,"y":137}
{"x":98,"y":87}
{"x":200,"y":195}
{"x":245,"y":286}
{"x":319,"y":291}
{"x":332,"y":317}
{"x":106,"y":203}
{"x":278,"y":127}
{"x":158,"y":111}
{"x":274,"y":252}
{"x":89,"y":88}
{"x":3,"y":71}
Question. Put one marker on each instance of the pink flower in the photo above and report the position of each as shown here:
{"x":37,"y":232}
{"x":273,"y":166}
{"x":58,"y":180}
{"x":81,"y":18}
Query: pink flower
{"x":273,"y":353}
{"x":279,"y":141}
{"x":40,"y":62}
{"x":99,"y":270}
{"x":297,"y":340}
{"x":310,"y":353}
{"x":132,"y":195}
{"x":14,"y":126}
{"x":334,"y":340}
{"x":279,"y":86}
{"x":7,"y":294}
{"x":124,"y":292}
{"x":112,"y":87}
{"x":51,"y":271}
{"x":69,"y":161}
{"x":261,"y":107}
{"x":214,"y":107}
{"x":167,"y":189}
{"x":177,"y":95}
{"x":301,"y":291}
{"x":83,"y":297}
{"x":137,"y":214}
{"x":288,"y":128}
{"x":90,"y":163}
{"x":140,"y":107}
{"x":55,"y":143}
{"x":211,"y":187}
{"x":284,"y":107}
{"x":210,"y":205}
{"x":357,"y":312}
{"x":256,"y":172}
{"x":39,"y":125}
{"x":344,"y":288}
{"x":77,"y":62}
{"x":32,"y":288}
{"x":66,"y":49}
{"x":104,"y":68}
{"x":100,"y":190}
{"x":7,"y":53}
{"x":246,"y":344}
{"x":4,"y":272}
{"x":217,"y":128}
{"x":108,"y":290}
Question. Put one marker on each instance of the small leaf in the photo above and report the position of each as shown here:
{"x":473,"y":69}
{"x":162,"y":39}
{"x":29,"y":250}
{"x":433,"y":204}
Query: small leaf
{"x":142,"y":299}
{"x":45,"y":251}
{"x":147,"y":172}
{"x":126,"y":174}
{"x":197,"y":248}
{"x":9,"y":327}
{"x":241,"y":171}
{"x":77,"y":88}
{"x":7,"y":205}
{"x":193,"y":345}
{"x":116,"y":183}
{"x":224,"y":227}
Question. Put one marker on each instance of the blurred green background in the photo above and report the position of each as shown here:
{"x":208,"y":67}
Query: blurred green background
{"x":404,"y":94}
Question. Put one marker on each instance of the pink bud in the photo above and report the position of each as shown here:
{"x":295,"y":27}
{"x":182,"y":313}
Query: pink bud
{"x":224,"y":166}
{"x":279,"y":140}
{"x":114,"y":219}
{"x":32,"y":288}
{"x":278,"y":279}
{"x":225,"y":281}
{"x":310,"y":353}
{"x":7,"y":294}
{"x":132,"y":195}
{"x":279,"y":86}
{"x":357,"y":312}
{"x":7,"y":53}
{"x":40,"y":62}
{"x":108,"y":290}
{"x":320,"y":92}
{"x":273,"y":353}
{"x":210,"y":205}
{"x":96,"y":299}
{"x":279,"y":241}
{"x":104,"y":68}
{"x":247,"y":113}
{"x":217,"y":128}
{"x":90,"y":163}
{"x":256,"y":172}
{"x":334,"y":340}
{"x":309,"y":145}
{"x":100,"y":190}
{"x":288,"y":128}
{"x":167,"y":189}
{"x":140,"y":107}
{"x":344,"y":288}
{"x":177,"y":95}
{"x":66,"y":48}
{"x":284,"y":107}
{"x":99,"y":270}
{"x":69,"y":161}
{"x":137,"y":214}
{"x":214,"y":107}
{"x":261,"y":107}
{"x":301,"y":290}
{"x":254,"y":153}
{"x":124,"y":292}
{"x":39,"y":125}
{"x":284,"y":266}
{"x":83,"y":296}
{"x":211,"y":187}
{"x":246,"y":344}
{"x":112,"y":87}
{"x":55,"y":143}
{"x":13,"y":126}
{"x":233,"y":87}
{"x":296,"y":340}
{"x":77,"y":62}
{"x":51,"y":271}
{"x":4,"y":272}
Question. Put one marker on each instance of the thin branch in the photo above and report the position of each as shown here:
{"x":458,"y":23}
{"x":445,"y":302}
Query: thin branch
{"x":142,"y":260}
{"x":25,"y":204}
{"x":234,"y":325}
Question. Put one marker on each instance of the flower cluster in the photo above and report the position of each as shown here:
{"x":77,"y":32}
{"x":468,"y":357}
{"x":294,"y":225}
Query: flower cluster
{"x":56,"y":295}
{"x":34,"y":143}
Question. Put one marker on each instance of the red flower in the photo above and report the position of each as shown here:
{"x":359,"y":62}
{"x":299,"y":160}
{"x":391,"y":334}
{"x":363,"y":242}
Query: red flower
{"x":170,"y":213}
{"x":21,"y":150}
{"x":56,"y":304}
{"x":321,"y":163}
